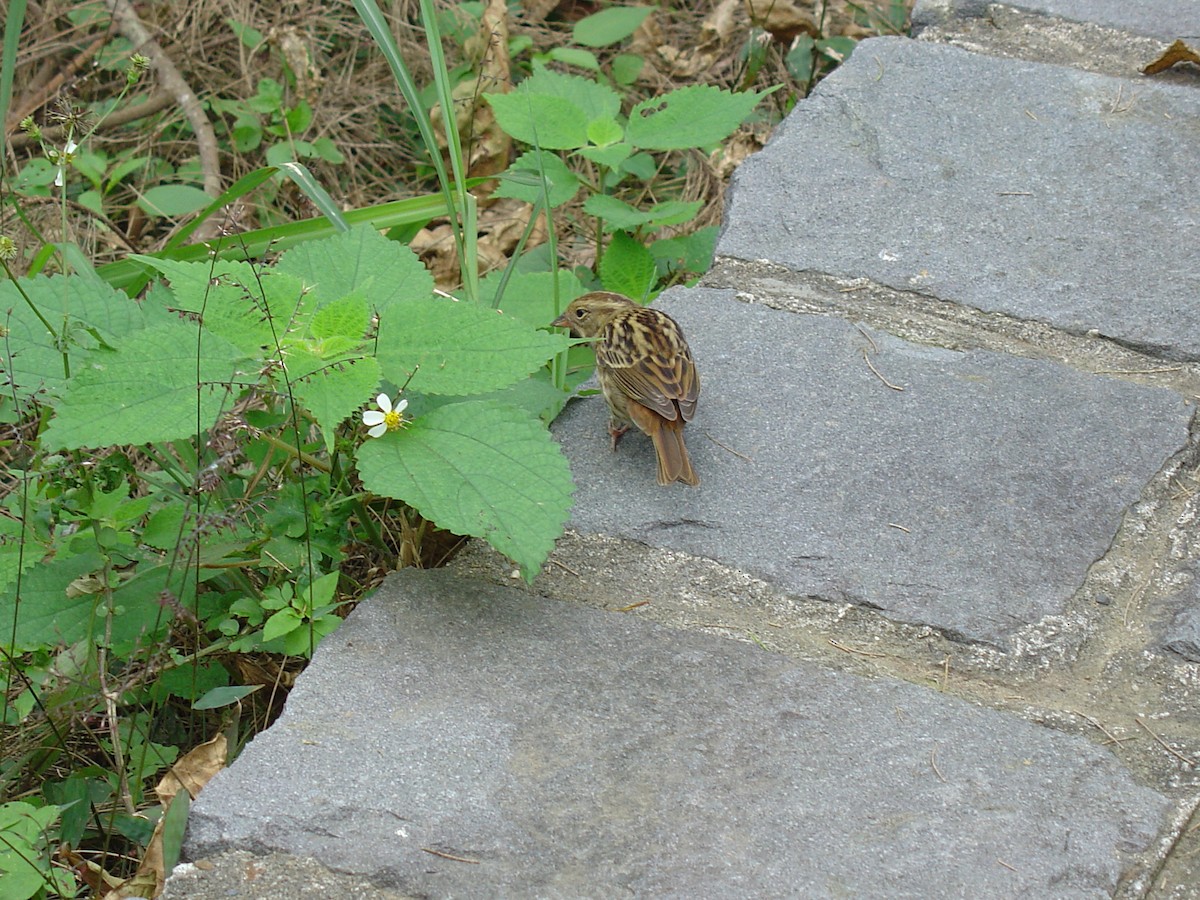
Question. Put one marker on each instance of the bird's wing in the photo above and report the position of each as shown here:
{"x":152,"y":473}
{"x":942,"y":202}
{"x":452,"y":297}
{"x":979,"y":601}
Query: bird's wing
{"x":646,"y":354}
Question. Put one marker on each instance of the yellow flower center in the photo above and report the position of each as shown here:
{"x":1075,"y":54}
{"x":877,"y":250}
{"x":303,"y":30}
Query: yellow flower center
{"x":393,"y":420}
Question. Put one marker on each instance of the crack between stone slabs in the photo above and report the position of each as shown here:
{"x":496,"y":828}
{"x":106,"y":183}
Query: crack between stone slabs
{"x":931,"y":320}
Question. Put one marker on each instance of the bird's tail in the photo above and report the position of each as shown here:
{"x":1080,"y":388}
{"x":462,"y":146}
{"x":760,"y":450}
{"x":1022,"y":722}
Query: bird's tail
{"x":673,"y":461}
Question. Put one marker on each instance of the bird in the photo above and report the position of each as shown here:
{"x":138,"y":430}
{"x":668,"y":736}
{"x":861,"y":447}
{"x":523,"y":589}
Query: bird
{"x":646,"y":374}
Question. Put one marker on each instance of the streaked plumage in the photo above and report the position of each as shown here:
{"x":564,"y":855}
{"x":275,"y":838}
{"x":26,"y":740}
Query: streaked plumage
{"x":646,"y":372}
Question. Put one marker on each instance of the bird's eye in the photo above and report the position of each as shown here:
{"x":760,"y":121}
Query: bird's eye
{"x":580,"y":313}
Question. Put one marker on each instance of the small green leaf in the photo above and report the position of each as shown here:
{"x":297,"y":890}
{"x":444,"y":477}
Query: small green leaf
{"x":605,"y":132}
{"x":693,"y":116}
{"x":225,"y":696}
{"x":627,"y":267}
{"x":626,"y":67}
{"x":478,"y":468}
{"x":281,"y":623}
{"x":562,"y":184}
{"x":173,"y":200}
{"x":610,"y":26}
{"x":573,"y":56}
{"x":609,"y":157}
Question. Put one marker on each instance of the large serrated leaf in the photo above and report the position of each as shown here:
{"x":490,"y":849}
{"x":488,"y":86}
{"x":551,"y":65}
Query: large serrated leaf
{"x":384,"y":272}
{"x":461,"y":348}
{"x":145,"y":391}
{"x":693,"y":116}
{"x":249,"y":306}
{"x":87,"y":315}
{"x":478,"y":468}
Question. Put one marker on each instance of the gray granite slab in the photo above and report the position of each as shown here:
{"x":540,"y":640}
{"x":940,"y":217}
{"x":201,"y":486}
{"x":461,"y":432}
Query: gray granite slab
{"x":1023,"y":188}
{"x":1165,"y":19}
{"x":558,"y":751}
{"x":973,"y":500}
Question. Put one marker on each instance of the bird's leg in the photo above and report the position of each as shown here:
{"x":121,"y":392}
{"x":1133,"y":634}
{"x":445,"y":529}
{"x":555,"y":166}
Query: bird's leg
{"x":616,"y":429}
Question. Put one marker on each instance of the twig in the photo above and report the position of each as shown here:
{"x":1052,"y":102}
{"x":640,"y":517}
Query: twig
{"x":451,"y":856}
{"x":127,"y":22}
{"x":1138,"y":371}
{"x":854,"y":650}
{"x":933,"y":762}
{"x":730,"y":449}
{"x":563,"y":565}
{"x":633,"y":606}
{"x":1006,"y":865}
{"x":901,"y":527}
{"x":870,"y":340}
{"x":52,"y":134}
{"x":870,"y":365}
{"x":28,"y":106}
{"x":1183,"y":759}
{"x":1111,"y":737}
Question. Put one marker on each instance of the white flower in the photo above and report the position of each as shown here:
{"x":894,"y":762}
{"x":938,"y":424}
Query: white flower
{"x":64,"y":159}
{"x":386,"y":418}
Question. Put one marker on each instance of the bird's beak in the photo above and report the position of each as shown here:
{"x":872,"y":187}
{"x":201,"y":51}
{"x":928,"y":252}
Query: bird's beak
{"x":561,"y":322}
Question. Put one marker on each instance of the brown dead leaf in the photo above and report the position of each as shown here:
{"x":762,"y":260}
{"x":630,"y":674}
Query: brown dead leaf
{"x":486,"y":146}
{"x":1178,"y":52}
{"x":500,"y":228}
{"x":192,"y":772}
{"x":716,"y":32}
{"x":782,"y":19}
{"x":96,"y":878}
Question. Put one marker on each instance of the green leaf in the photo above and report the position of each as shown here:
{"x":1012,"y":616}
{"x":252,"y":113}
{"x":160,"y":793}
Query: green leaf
{"x":552,"y":123}
{"x":173,"y":200}
{"x":84,"y":314}
{"x":249,"y":306}
{"x":553,"y":110}
{"x":626,"y":67}
{"x":151,"y":389}
{"x":693,"y":116}
{"x":331,"y":390}
{"x":48,"y":616}
{"x":609,"y":157}
{"x":561,"y":183}
{"x":573,"y":56}
{"x":281,"y":623}
{"x":461,"y":348}
{"x":360,"y":260}
{"x":225,"y":696}
{"x":610,"y":26}
{"x":478,"y":468}
{"x":529,"y":296}
{"x":174,"y":824}
{"x":605,"y":132}
{"x":627,"y":267}
{"x":687,"y":253}
{"x":620,"y":215}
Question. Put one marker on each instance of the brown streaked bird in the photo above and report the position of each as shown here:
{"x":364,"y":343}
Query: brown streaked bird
{"x":646,"y":373}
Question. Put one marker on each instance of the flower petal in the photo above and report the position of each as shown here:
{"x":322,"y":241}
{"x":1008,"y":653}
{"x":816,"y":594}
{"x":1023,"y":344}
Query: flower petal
{"x":373,"y":417}
{"x":401,"y":406}
{"x":385,"y":402}
{"x":378,"y":430}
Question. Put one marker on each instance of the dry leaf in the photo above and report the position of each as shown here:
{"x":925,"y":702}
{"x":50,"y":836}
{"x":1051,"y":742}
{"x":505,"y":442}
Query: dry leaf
{"x":500,"y":228}
{"x":1178,"y":52}
{"x":487,"y":147}
{"x":782,"y":19}
{"x":192,"y":772}
{"x":716,"y":31}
